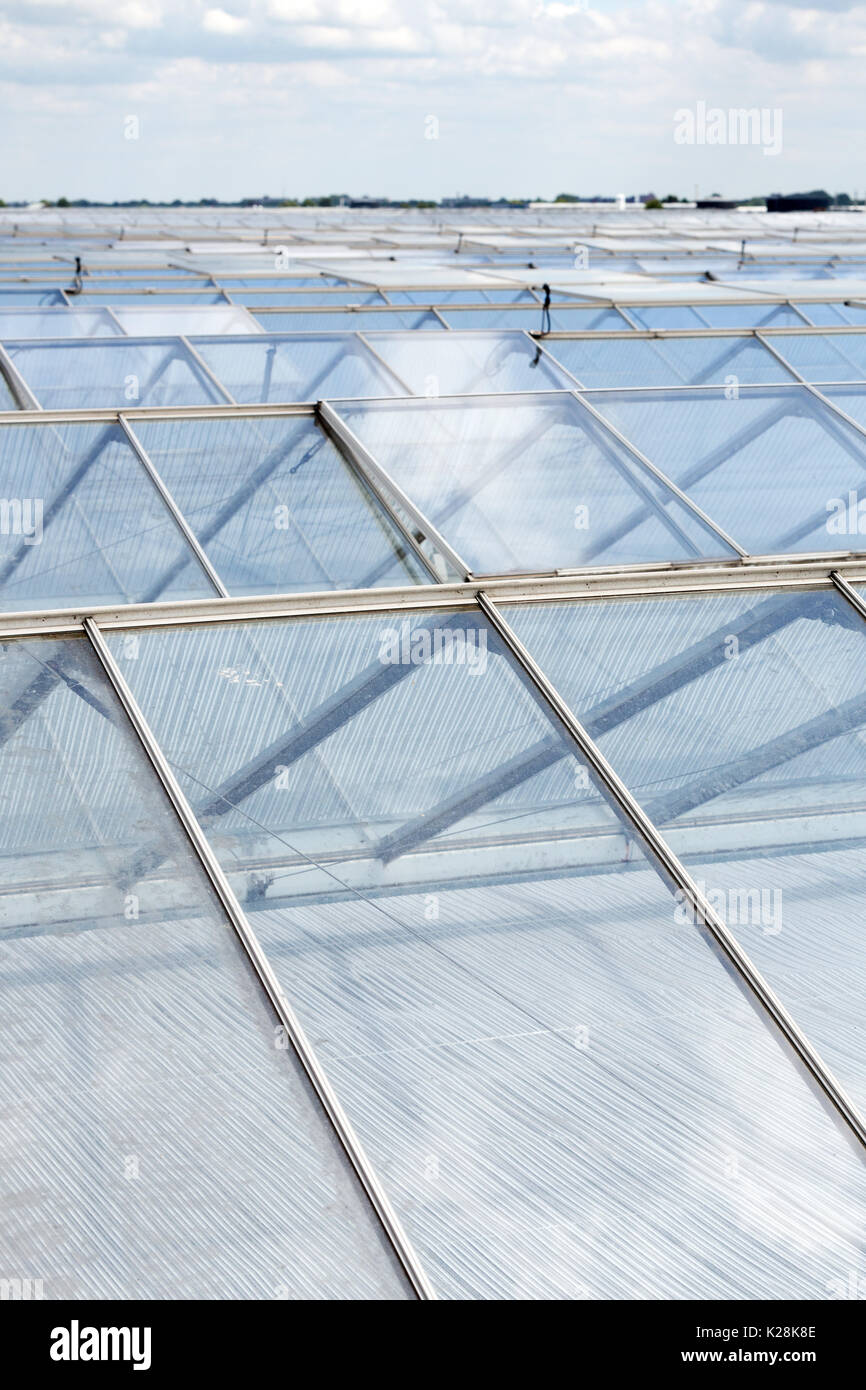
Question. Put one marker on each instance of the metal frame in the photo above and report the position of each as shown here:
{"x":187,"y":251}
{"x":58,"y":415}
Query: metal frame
{"x":480,"y":596}
{"x":180,"y":520}
{"x":756,"y":573}
{"x":338,"y":428}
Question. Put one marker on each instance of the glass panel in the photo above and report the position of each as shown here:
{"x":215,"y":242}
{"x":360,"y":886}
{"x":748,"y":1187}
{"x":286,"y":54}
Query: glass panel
{"x":833,"y":315}
{"x":177,"y":279}
{"x":532,"y":483}
{"x":275,"y":282}
{"x":495,"y":973}
{"x":669,"y":362}
{"x":256,"y":296}
{"x":851,"y":399}
{"x":562,"y":320}
{"x":57,"y":323}
{"x":852,"y":313}
{"x":218,"y":318}
{"x":275,"y":506}
{"x":665,"y":316}
{"x":465,"y":363}
{"x":354,"y":320}
{"x":818,"y":357}
{"x":738,"y":721}
{"x":116,"y":297}
{"x":303,"y":368}
{"x":116,"y":373}
{"x":81,"y":522}
{"x":764,"y":464}
{"x":824,"y":315}
{"x":157,"y":1142}
{"x":471,"y":295}
{"x":10,"y":297}
{"x":749,"y":315}
{"x":7,"y":400}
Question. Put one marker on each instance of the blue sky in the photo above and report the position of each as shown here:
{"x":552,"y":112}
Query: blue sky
{"x":530,"y":97}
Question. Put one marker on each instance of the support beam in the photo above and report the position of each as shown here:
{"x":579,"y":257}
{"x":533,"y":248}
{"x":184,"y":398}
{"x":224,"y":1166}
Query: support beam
{"x":753,"y":627}
{"x":842,"y":719}
{"x":708,"y":464}
{"x":371,"y":683}
{"x":54,"y":666}
{"x":502,"y":779}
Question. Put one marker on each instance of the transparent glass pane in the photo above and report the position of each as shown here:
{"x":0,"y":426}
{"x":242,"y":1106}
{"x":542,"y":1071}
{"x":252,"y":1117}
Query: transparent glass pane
{"x":10,"y":296}
{"x":562,"y":320}
{"x":471,"y":295}
{"x":256,"y":296}
{"x":57,"y":323}
{"x":275,"y":282}
{"x":467,"y":363}
{"x":169,"y":319}
{"x":819,"y":357}
{"x":7,"y":400}
{"x":749,"y":315}
{"x":303,"y":368}
{"x":739,"y":722}
{"x":495,"y":973}
{"x":170,"y":298}
{"x":665,"y":316}
{"x":768,"y":465}
{"x":275,"y":505}
{"x":825,"y":315}
{"x":601,"y":362}
{"x":81,"y":522}
{"x":157,"y":1143}
{"x":529,"y":484}
{"x":852,"y":400}
{"x":347,"y":320}
{"x":112,"y":373}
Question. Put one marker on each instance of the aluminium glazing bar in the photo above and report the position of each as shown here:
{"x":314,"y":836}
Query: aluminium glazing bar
{"x":819,"y":394}
{"x":179,"y":518}
{"x":382,"y":363}
{"x":103,"y":414}
{"x":17,"y":385}
{"x":107,"y":309}
{"x":623,"y":313}
{"x":663,"y":478}
{"x":283,"y":1009}
{"x":385,"y":488}
{"x":200,"y":362}
{"x":369,"y":484}
{"x":677,"y":875}
{"x":756,"y":574}
{"x":851,"y":594}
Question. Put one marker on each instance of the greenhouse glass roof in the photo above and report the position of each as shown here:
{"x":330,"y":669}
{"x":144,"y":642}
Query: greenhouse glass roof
{"x":433,"y":752}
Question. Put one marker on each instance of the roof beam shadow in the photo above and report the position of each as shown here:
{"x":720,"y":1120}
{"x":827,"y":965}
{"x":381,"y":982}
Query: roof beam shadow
{"x":812,"y":734}
{"x":229,"y":510}
{"x":502,"y":779}
{"x":760,"y":622}
{"x":57,"y":502}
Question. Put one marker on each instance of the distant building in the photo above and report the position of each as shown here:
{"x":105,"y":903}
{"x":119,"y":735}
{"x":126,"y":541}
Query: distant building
{"x":817,"y":201}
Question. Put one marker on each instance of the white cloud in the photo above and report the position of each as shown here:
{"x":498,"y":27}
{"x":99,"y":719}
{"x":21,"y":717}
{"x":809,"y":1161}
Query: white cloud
{"x":220,"y":22}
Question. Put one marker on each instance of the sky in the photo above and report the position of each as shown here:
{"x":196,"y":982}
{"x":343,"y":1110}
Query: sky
{"x":118,"y":99}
